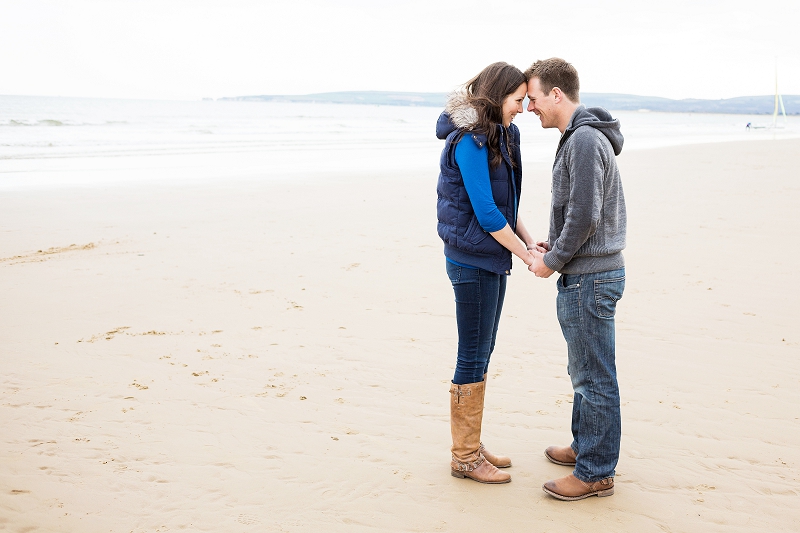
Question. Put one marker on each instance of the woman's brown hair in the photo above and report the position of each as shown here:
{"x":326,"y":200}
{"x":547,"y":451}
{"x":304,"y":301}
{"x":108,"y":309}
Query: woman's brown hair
{"x":486,"y":92}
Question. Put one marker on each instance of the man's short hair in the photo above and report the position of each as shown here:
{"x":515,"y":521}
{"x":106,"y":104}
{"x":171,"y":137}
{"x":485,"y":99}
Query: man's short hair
{"x":555,"y":72}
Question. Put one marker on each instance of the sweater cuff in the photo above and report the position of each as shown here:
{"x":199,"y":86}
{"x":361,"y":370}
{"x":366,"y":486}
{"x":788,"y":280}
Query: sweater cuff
{"x":552,"y":261}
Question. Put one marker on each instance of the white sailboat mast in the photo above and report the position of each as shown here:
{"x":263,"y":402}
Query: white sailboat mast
{"x":775,"y":110}
{"x":778,"y":100}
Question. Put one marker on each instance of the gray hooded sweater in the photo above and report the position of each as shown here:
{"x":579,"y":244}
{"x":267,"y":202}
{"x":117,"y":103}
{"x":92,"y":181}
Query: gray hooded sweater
{"x":587,"y":215}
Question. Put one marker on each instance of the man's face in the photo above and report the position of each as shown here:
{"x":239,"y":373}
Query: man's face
{"x":542,"y":104}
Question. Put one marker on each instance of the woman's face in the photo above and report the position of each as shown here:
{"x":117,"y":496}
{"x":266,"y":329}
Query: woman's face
{"x":513,"y":104}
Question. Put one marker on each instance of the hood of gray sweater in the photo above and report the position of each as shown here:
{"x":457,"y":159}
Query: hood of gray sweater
{"x":598,"y":118}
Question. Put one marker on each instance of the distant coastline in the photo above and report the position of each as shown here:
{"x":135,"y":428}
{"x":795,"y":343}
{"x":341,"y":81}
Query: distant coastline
{"x":745,"y":105}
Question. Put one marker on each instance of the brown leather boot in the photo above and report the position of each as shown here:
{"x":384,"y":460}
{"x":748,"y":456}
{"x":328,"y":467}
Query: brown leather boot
{"x":561,"y":455}
{"x":466,"y":416}
{"x":500,"y":461}
{"x":570,"y":488}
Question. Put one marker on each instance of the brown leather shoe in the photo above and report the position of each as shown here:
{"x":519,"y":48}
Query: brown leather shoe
{"x":481,"y":471}
{"x":500,"y":461}
{"x":561,"y":455}
{"x":570,"y":488}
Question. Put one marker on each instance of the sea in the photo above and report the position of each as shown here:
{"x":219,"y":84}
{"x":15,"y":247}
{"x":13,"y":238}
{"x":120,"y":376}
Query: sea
{"x":53,"y":142}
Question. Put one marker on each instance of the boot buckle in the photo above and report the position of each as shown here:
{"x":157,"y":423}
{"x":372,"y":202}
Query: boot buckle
{"x":468,"y":467}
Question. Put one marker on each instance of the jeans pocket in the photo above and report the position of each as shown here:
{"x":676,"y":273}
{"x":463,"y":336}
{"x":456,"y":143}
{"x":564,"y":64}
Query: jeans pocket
{"x":568,"y":282}
{"x":607,"y":292}
{"x":453,"y":272}
{"x":568,"y":301}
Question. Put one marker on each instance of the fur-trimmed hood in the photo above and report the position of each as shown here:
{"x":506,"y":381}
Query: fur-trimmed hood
{"x":458,"y":114}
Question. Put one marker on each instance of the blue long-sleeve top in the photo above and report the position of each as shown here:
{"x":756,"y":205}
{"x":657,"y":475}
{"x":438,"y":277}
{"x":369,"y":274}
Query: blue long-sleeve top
{"x":473,"y":161}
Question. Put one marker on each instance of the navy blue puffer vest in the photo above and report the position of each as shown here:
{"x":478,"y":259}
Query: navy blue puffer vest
{"x":464,"y":239}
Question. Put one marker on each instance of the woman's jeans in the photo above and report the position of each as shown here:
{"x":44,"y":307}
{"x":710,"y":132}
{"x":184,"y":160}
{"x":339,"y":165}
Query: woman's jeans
{"x":479,"y":301}
{"x":586,"y":305}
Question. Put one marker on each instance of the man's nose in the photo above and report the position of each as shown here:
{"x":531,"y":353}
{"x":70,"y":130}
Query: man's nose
{"x":530,"y":105}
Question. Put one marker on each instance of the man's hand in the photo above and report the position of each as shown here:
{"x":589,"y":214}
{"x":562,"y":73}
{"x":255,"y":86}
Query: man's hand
{"x":538,"y":267}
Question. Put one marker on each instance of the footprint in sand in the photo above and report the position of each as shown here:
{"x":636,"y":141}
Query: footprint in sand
{"x":108,"y":335}
{"x":42,"y":255}
{"x":248,"y":519}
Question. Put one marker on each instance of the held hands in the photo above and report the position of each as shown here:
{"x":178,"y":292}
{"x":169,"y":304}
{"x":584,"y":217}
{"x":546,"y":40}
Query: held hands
{"x":537,"y":265}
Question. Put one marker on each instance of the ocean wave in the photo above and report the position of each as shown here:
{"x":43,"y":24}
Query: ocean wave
{"x":49,"y":122}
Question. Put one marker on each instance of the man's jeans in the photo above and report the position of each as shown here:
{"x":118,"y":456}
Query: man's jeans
{"x":479,"y":302}
{"x":586,"y":305}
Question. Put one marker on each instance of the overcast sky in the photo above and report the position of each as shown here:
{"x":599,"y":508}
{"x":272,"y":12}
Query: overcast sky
{"x":176,"y":49}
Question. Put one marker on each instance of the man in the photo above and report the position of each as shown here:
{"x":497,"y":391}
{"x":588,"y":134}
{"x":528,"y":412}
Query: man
{"x":585,"y":243}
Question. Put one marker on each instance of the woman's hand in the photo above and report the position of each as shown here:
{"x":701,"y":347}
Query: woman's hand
{"x":542,"y":247}
{"x":538,"y":247}
{"x":529,"y":259}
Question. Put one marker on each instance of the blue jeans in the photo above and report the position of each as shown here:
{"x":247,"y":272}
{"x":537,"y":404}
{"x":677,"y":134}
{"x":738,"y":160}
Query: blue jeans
{"x":479,"y":302}
{"x":586,"y":305}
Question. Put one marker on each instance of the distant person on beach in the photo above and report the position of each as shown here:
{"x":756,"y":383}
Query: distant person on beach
{"x":479,"y":188}
{"x":748,"y":126}
{"x":585,"y":243}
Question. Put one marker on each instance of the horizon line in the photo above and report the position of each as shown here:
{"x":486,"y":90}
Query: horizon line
{"x":374,"y":91}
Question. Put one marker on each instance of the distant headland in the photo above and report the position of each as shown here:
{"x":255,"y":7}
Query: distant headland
{"x":750,"y":105}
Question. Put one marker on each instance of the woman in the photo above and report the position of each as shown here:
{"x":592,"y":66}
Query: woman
{"x":479,"y":188}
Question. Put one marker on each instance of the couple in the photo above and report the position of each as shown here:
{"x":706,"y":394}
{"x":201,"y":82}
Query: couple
{"x":479,"y":189}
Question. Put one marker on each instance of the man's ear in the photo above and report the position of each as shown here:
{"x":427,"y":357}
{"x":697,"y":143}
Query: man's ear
{"x":558,"y":95}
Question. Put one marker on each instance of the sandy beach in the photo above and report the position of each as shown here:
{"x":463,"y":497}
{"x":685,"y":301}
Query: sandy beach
{"x":276,"y":356}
